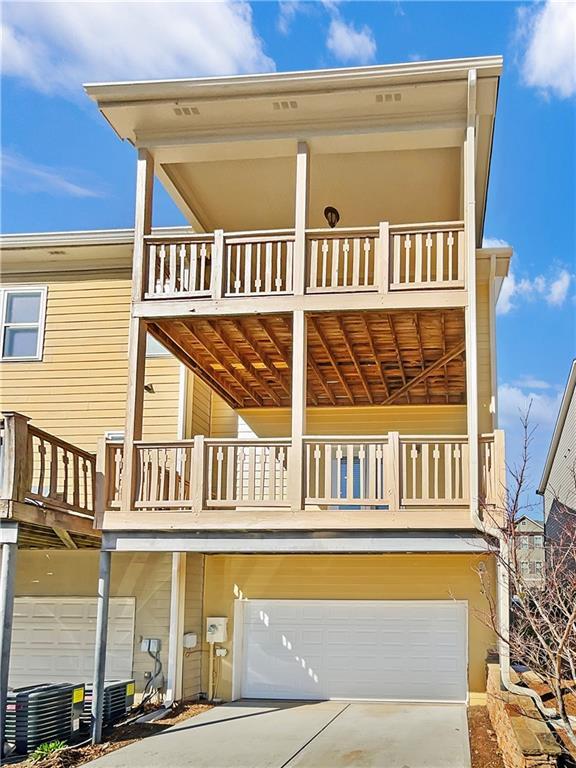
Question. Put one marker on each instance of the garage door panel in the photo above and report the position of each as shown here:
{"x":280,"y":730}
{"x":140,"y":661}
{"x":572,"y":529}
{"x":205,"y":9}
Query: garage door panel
{"x":53,"y":639}
{"x":355,"y":649}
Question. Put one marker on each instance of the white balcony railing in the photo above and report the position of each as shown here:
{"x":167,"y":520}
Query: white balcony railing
{"x":373,"y":472}
{"x":362,"y":259}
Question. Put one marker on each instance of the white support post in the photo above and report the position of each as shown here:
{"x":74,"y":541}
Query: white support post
{"x":393,"y":477}
{"x":382,"y":265}
{"x":301,"y":217}
{"x":217,"y":274}
{"x":7,"y":579}
{"x":103,"y":601}
{"x":198,"y":474}
{"x":299,"y":368}
{"x":469,"y":156}
{"x":176,"y":631}
{"x":137,"y":332}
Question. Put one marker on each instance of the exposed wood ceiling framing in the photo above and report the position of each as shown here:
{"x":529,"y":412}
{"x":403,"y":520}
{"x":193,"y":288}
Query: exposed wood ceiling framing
{"x":354,"y":358}
{"x":31,"y":536}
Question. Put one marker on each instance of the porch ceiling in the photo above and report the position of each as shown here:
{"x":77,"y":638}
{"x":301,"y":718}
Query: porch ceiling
{"x":354,"y":358}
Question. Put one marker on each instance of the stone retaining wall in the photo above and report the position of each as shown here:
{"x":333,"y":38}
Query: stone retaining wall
{"x":523,"y":737}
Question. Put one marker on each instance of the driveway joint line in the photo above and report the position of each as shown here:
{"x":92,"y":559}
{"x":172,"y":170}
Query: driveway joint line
{"x":315,"y":736}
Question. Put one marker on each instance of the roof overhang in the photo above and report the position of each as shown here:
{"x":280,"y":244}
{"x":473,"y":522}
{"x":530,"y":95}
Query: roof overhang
{"x":420,"y":105}
{"x":560,"y":422}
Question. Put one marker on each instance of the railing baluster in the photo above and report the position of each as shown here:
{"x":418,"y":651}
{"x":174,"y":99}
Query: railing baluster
{"x":356,"y":262}
{"x":247,"y":268}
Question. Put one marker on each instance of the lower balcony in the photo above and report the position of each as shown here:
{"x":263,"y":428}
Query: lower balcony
{"x":387,"y":481}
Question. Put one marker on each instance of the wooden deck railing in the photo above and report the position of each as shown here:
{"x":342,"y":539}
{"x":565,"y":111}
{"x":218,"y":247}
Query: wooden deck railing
{"x":42,"y":469}
{"x":380,"y":472}
{"x":361,"y":259}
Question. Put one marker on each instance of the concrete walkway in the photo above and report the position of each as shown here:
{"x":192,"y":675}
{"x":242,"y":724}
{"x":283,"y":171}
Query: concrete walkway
{"x":327,"y":734}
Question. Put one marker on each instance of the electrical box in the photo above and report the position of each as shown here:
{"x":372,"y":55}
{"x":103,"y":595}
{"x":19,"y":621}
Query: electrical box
{"x":190,"y":640}
{"x":216,"y":629}
{"x":150,"y":645}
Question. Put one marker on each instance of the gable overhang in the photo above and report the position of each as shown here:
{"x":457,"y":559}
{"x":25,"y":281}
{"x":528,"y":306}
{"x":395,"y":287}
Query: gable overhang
{"x":558,"y":428}
{"x":257,"y":120}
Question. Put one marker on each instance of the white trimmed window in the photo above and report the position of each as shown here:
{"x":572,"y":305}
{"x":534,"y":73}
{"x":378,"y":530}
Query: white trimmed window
{"x":23,"y":314}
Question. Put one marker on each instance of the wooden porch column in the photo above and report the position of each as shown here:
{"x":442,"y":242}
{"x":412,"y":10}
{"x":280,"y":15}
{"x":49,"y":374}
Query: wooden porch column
{"x":16,"y":466}
{"x":137,"y":332}
{"x":469,"y":201}
{"x":299,"y":367}
{"x":301,"y":217}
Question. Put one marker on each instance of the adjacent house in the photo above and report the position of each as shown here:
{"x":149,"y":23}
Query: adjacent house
{"x":293,"y":402}
{"x":558,"y":484}
{"x":530,"y":552}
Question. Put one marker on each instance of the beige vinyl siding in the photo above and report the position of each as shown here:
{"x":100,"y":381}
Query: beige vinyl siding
{"x":485,"y":417}
{"x":350,"y":577}
{"x":193,"y":622}
{"x":144,"y":576}
{"x":223,"y":419}
{"x":78,"y":390}
{"x":198,"y":406}
{"x":368,"y":420}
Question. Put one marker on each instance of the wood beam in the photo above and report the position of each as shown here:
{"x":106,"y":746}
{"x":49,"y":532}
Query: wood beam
{"x":232,"y":373}
{"x":248,"y":365}
{"x":281,"y":351}
{"x":350,"y":350}
{"x":65,"y":537}
{"x":182,"y":353}
{"x":421,"y":350}
{"x":394,"y":338}
{"x":313,"y":366}
{"x":377,"y":362}
{"x":262,"y":356}
{"x":456,"y":352}
{"x":328,"y":351}
{"x":446,"y":378}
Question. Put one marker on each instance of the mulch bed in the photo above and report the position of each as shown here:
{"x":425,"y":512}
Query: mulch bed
{"x":116,"y":737}
{"x":483,"y":745}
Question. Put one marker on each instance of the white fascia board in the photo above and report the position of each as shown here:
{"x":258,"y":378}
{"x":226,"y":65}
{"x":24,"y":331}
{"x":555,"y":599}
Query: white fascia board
{"x":294,"y":543}
{"x":81,"y":237}
{"x":560,"y":421}
{"x":276,"y":82}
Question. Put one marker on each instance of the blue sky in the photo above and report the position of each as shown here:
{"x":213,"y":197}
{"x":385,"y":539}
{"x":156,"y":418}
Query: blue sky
{"x":63,"y":167}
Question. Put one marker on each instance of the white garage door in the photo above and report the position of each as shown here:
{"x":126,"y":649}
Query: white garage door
{"x":354,"y":649}
{"x":53,"y":639}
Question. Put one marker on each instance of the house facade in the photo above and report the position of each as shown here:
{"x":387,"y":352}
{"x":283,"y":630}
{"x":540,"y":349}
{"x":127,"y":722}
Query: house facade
{"x":529,"y":550}
{"x":558,"y":484}
{"x":334,"y":473}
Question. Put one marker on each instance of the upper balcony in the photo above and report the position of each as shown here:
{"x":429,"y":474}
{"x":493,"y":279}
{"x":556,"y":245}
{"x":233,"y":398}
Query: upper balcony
{"x":353,"y":268}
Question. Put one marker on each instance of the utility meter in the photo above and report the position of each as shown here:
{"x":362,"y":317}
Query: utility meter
{"x":216,"y":629}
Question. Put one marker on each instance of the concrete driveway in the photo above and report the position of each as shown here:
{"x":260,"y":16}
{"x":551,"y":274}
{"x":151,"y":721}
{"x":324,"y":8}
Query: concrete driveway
{"x":326,"y":734}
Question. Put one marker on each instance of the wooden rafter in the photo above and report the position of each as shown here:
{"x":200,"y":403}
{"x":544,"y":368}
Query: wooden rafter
{"x":443,"y":327}
{"x":230,"y":370}
{"x":184,"y":353}
{"x":377,"y":362}
{"x":394,"y":338}
{"x":243,"y":360}
{"x":318,"y":331}
{"x":355,"y":362}
{"x":421,"y":350}
{"x":311,"y":364}
{"x":453,"y":353}
{"x":261,"y":355}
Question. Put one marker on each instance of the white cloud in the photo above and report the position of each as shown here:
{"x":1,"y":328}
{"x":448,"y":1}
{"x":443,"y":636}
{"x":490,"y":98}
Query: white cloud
{"x":547,"y":36}
{"x":56,"y":46}
{"x":531,"y":382}
{"x":26,"y":176}
{"x":552,"y":290}
{"x":513,"y":402}
{"x":558,"y":289}
{"x":288,"y":9}
{"x":350,"y":44}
